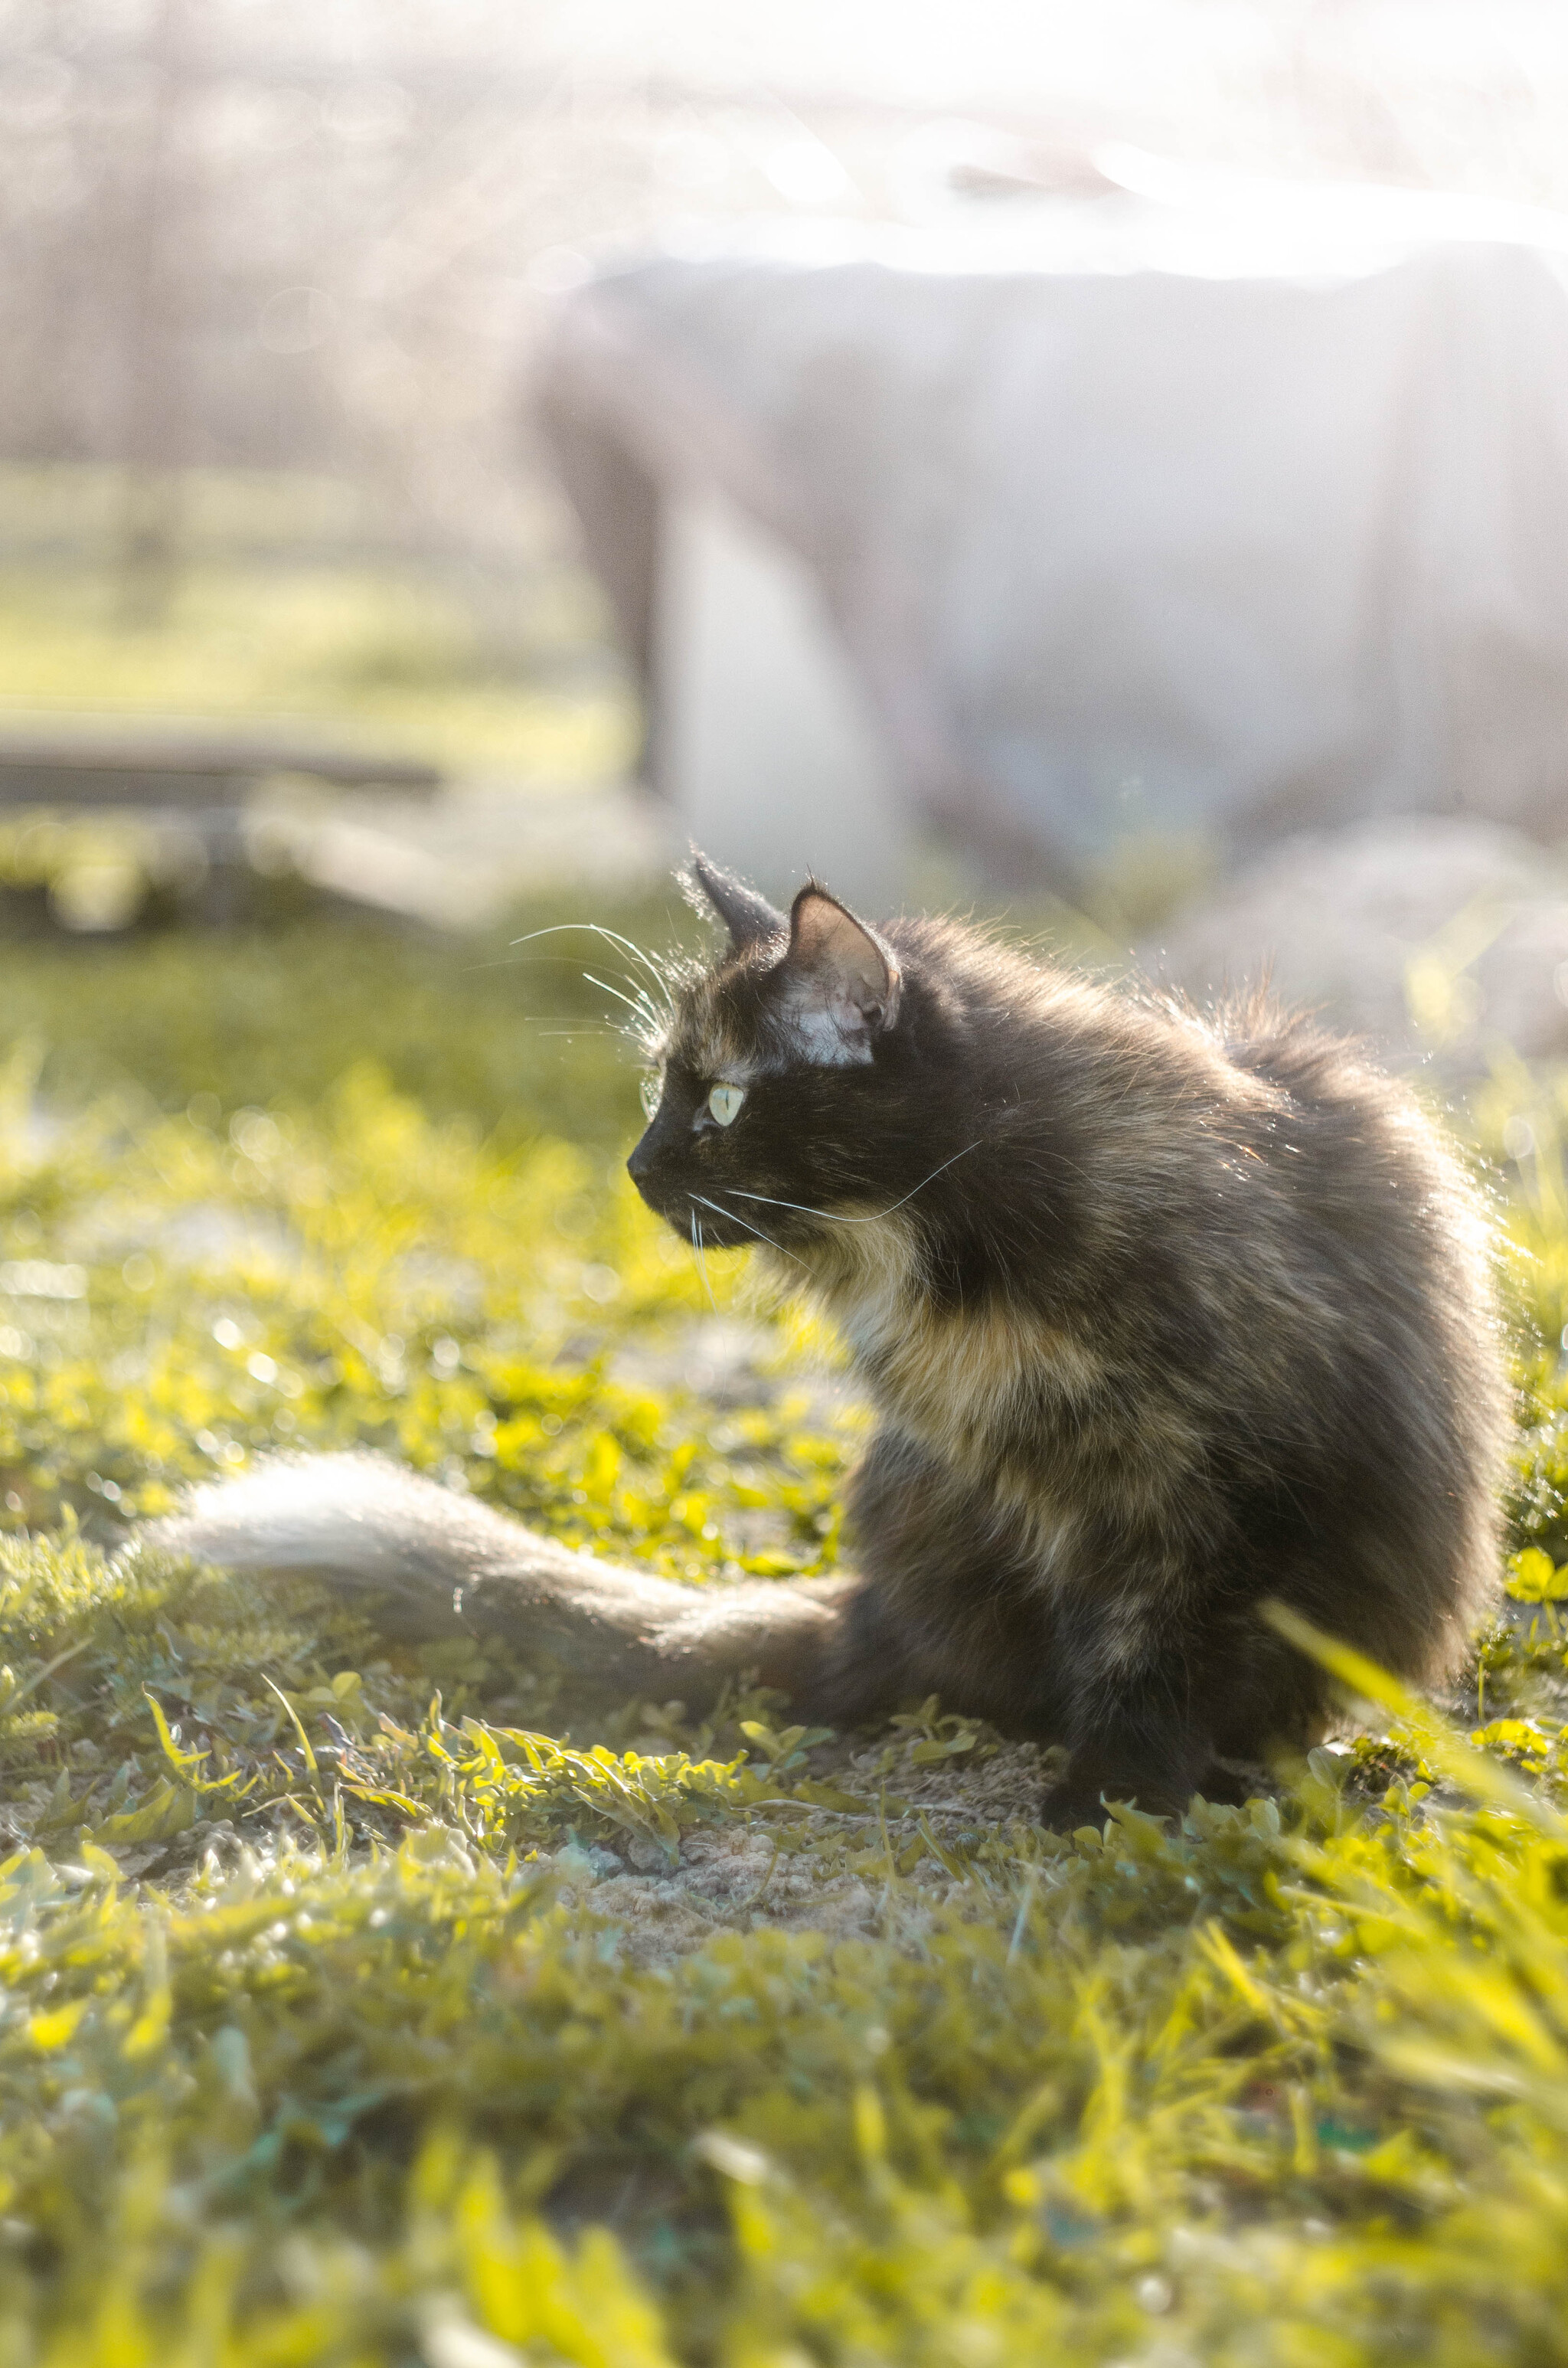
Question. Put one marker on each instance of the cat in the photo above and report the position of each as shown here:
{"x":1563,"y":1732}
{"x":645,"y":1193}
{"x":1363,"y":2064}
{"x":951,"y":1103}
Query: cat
{"x":1163,"y":1316}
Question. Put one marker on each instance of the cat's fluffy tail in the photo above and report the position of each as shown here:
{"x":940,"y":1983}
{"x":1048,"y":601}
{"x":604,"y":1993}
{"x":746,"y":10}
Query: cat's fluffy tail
{"x":356,"y":1519}
{"x":439,"y":1562}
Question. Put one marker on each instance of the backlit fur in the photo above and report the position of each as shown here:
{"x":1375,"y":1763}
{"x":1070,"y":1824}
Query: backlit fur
{"x":1163,"y":1314}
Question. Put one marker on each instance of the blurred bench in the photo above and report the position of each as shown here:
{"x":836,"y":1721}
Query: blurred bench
{"x":191,"y":773}
{"x":198,"y":785}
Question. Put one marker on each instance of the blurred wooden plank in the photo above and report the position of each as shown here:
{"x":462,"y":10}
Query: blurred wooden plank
{"x":185,"y":769}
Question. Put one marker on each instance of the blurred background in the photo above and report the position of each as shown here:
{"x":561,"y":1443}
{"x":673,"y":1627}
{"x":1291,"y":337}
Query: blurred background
{"x":1104,"y":467}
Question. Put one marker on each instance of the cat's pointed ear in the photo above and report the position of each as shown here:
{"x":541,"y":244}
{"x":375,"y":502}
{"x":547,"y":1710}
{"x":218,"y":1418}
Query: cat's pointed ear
{"x":840,"y":979}
{"x":749,"y":919}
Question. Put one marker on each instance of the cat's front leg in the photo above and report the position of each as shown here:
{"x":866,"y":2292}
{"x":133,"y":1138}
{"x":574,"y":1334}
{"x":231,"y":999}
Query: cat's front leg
{"x":1140,"y":1716}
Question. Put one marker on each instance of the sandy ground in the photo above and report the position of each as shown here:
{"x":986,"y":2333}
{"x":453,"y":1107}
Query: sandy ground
{"x":737,"y":1878}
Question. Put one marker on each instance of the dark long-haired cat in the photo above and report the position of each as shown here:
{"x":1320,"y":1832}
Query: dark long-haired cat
{"x":1163,"y":1316}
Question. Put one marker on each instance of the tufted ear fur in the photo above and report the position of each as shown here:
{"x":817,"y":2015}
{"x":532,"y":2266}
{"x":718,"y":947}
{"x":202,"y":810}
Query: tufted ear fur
{"x":839,"y":980}
{"x":750,"y":919}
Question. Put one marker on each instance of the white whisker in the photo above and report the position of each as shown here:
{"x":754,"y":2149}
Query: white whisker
{"x":613,"y":938}
{"x":628,"y":945}
{"x":636,"y":1001}
{"x":647,"y":1026}
{"x":833,"y":1219}
{"x":702,"y":1261}
{"x":735,"y":1218}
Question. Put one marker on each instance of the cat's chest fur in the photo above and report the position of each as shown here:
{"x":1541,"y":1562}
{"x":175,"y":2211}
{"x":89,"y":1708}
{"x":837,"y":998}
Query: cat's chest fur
{"x":994,"y":1391}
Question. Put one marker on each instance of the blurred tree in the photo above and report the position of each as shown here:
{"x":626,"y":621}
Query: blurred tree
{"x":160,"y":234}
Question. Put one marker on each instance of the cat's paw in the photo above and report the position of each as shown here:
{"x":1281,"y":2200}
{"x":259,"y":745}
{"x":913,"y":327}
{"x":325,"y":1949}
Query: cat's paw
{"x":1085,"y":1801}
{"x":1226,"y":1787}
{"x":1068,"y":1805}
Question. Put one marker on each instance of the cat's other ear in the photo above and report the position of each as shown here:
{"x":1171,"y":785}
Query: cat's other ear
{"x":839,"y":978}
{"x":750,"y":919}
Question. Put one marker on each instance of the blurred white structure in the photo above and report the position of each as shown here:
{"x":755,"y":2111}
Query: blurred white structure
{"x":1196,"y":514}
{"x":773,"y":756}
{"x":1442,"y":939}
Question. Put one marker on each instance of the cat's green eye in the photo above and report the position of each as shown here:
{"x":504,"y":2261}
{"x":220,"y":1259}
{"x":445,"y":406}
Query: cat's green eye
{"x":724,"y":1101}
{"x":651,"y":1090}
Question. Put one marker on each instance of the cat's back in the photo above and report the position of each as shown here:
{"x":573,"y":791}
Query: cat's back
{"x":1239,"y":1174}
{"x":1351,"y":1144}
{"x":1161,"y":1097}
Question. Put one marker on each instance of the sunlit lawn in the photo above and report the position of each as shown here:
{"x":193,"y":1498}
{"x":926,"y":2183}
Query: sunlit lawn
{"x":348,"y":2018}
{"x":274,"y":612}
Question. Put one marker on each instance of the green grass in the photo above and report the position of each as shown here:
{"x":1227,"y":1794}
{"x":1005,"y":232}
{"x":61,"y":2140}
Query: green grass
{"x":368,"y":2004}
{"x":280,"y":609}
{"x":503,"y":1033}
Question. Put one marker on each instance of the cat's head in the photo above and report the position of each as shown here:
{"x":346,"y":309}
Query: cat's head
{"x":785,"y":1093}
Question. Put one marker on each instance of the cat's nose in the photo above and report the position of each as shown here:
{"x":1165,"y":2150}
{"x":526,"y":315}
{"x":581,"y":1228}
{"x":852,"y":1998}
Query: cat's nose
{"x":642,"y":1162}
